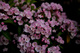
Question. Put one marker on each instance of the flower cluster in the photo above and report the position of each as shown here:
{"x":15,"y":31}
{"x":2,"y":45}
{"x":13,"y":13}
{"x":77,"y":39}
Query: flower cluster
{"x":3,"y":40}
{"x":3,"y":27}
{"x":41,"y":28}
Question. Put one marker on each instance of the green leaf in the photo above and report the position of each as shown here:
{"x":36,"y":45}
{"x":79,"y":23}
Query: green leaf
{"x":6,"y":34}
{"x":11,"y":3}
{"x":32,"y":7}
{"x":9,"y":21}
{"x":61,"y":47}
{"x":19,"y":30}
{"x":28,"y":1}
{"x":19,"y":0}
{"x":60,"y":33}
{"x":33,"y":1}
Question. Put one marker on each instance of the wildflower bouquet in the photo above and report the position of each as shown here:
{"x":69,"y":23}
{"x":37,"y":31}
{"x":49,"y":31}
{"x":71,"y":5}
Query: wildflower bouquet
{"x":34,"y":29}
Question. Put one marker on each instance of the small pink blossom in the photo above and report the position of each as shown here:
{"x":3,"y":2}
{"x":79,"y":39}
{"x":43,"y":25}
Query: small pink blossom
{"x":28,"y":14}
{"x":14,"y":21}
{"x":4,"y":27}
{"x":52,"y":37}
{"x":18,"y":18}
{"x":2,"y":23}
{"x":20,"y":22}
{"x":27,"y":39}
{"x":34,"y":44}
{"x":28,"y":44}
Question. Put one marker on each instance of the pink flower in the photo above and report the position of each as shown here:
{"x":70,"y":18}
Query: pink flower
{"x":40,"y":16}
{"x":28,"y":44}
{"x":39,"y":10}
{"x":46,"y":6}
{"x":48,"y":41}
{"x":4,"y":27}
{"x":53,"y":23}
{"x":5,"y":17}
{"x":44,"y":47}
{"x":27,"y":39}
{"x":28,"y":14}
{"x":33,"y":37}
{"x":20,"y":22}
{"x":2,"y":23}
{"x":18,"y":18}
{"x":10,"y":12}
{"x":54,"y":49}
{"x":38,"y":48}
{"x":42,"y":51}
{"x":16,"y":11}
{"x":38,"y":36}
{"x":60,"y":7}
{"x":14,"y":21}
{"x":54,"y":30}
{"x":58,"y":13}
{"x":32,"y":51}
{"x":34,"y":44}
{"x":22,"y":14}
{"x":31,"y":21}
{"x":48,"y":14}
{"x":5,"y":7}
{"x":52,"y":37}
{"x":60,"y":40}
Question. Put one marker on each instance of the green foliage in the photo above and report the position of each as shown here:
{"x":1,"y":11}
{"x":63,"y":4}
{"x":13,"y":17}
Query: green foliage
{"x":61,"y":47}
{"x":60,"y":33}
{"x":19,"y":30}
{"x":11,"y":3}
{"x":30,"y":1}
{"x":33,"y":1}
{"x":6,"y":34}
{"x":32,"y":7}
{"x":9,"y":21}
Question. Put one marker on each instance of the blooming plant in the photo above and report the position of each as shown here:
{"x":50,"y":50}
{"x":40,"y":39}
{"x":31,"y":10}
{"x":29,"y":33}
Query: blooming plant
{"x":34,"y":29}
